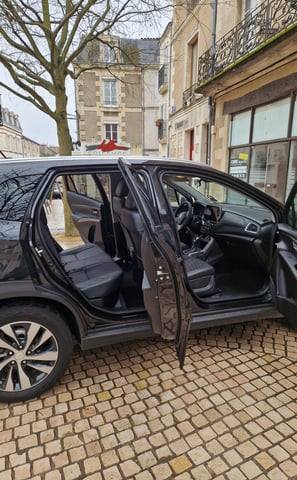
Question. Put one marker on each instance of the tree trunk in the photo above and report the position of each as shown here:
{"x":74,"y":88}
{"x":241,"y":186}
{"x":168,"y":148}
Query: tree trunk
{"x":64,"y":137}
{"x":65,"y":148}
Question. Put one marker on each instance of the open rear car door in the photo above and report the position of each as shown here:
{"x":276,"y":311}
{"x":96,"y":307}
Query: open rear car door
{"x":284,"y":267}
{"x":165,"y":295}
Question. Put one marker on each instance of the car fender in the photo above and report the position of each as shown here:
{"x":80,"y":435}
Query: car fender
{"x":26,"y":290}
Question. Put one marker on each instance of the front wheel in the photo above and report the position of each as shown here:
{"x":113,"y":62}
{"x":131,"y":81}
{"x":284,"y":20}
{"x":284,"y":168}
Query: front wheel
{"x":35,"y":349}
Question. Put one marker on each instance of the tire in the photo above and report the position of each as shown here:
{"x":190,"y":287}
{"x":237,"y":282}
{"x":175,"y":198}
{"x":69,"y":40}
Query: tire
{"x":35,"y":349}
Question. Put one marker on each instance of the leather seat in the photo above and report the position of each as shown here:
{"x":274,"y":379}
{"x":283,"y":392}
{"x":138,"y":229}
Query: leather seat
{"x":118,"y":203}
{"x":89,"y":267}
{"x":201,"y":275}
{"x":119,"y":199}
{"x":133,"y":227}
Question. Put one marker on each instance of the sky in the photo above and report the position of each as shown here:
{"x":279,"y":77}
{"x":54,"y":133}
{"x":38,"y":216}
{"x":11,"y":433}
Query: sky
{"x":40,"y":127}
{"x":36,"y":125}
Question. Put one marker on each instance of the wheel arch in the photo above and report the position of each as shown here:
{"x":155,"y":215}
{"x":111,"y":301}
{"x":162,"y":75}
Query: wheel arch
{"x":71,"y":320}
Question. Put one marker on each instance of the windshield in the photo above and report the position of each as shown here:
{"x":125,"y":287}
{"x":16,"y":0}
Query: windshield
{"x":180,"y":188}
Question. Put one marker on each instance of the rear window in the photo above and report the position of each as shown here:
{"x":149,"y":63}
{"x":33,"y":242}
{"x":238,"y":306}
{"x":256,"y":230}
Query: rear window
{"x":15,"y":194}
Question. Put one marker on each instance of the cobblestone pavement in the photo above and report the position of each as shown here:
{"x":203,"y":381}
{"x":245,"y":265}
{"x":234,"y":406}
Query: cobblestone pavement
{"x":129,"y":412}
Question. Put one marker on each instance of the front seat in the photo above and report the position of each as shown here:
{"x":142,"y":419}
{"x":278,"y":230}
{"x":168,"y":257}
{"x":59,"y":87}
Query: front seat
{"x":118,"y":203}
{"x":201,"y":275}
{"x":133,"y":228}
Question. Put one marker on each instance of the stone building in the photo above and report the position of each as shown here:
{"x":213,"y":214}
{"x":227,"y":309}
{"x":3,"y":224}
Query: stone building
{"x":117,"y":101}
{"x":233,"y":89}
{"x":10,"y":135}
{"x":12,"y":142}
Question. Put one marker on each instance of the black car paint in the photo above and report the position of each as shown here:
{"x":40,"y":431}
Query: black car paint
{"x":25,"y":275}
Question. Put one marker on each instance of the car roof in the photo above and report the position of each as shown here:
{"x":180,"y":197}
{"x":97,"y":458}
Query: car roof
{"x":42,"y":164}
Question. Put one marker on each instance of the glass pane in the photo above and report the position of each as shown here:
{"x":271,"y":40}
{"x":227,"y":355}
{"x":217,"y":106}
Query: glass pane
{"x":239,"y":162}
{"x":110,"y":92}
{"x":204,"y":191}
{"x":292,"y":171}
{"x":276,"y":170}
{"x":271,"y":121}
{"x":294,"y":126}
{"x":268,"y":170}
{"x":240,"y":128}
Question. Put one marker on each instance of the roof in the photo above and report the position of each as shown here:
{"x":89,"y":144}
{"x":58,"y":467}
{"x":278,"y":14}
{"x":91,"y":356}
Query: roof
{"x":133,"y":51}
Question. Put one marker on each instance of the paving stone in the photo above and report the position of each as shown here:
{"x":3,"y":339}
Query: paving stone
{"x":127,"y":411}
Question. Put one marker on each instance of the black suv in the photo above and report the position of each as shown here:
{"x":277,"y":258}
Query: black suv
{"x":161,"y":246}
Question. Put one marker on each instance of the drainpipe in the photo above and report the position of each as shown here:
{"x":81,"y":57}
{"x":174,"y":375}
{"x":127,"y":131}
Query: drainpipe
{"x":211,"y":106}
{"x":143,"y":111}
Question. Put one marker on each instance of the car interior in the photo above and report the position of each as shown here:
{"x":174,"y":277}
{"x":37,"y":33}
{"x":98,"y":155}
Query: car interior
{"x":226,"y":240}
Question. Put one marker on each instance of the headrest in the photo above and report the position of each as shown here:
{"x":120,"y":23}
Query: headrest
{"x":121,"y":189}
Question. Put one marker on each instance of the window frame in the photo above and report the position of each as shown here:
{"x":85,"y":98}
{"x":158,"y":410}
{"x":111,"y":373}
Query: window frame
{"x":110,"y":98}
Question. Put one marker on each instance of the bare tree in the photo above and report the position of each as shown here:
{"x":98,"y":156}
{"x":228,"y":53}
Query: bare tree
{"x":40,"y":40}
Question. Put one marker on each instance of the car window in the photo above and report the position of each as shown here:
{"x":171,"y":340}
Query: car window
{"x":175,"y":198}
{"x":15,"y":194}
{"x":84,"y":184}
{"x":208,"y":192}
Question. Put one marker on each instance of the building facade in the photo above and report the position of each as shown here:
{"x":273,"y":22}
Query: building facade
{"x":10,"y":135}
{"x":234,"y":84}
{"x":12,"y":142}
{"x":117,"y":101}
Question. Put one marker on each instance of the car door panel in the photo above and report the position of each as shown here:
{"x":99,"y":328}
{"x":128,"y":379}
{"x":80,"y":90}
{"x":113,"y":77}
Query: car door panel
{"x":284,"y":272}
{"x":284,"y":266}
{"x":86,"y":216}
{"x":165,"y":295}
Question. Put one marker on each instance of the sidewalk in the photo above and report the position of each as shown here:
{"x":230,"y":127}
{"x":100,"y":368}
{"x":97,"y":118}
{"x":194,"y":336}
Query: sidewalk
{"x":129,"y":412}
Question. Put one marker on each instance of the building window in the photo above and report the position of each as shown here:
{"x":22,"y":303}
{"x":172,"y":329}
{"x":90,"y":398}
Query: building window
{"x":111,"y":131}
{"x":108,"y":54}
{"x":110,"y":98}
{"x":193,"y":61}
{"x":263,"y":148}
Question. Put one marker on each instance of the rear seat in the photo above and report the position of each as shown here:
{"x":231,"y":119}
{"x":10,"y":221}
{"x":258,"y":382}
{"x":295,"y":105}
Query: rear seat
{"x":93,"y":272}
{"x":90,"y":268}
{"x":78,"y":257}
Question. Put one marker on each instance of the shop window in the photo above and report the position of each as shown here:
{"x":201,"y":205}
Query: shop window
{"x":271,"y":121}
{"x":262,"y":150}
{"x":292,"y":170}
{"x":239,"y":162}
{"x":268,"y":170}
{"x":294,"y":123}
{"x":240,"y":128}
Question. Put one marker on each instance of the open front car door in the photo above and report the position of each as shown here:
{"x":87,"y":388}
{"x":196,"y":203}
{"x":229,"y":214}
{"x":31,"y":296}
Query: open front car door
{"x":284,"y":267}
{"x":165,"y":295}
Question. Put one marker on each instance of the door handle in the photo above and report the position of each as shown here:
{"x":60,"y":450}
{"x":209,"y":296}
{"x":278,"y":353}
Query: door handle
{"x":95,"y":211}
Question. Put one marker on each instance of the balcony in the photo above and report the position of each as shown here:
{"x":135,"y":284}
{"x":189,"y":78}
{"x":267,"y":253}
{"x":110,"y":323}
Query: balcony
{"x":163,"y":79}
{"x":263,"y":23}
{"x":189,"y":95}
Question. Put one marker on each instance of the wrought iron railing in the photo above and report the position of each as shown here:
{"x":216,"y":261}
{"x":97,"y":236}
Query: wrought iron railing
{"x":189,"y":95}
{"x":163,"y":76}
{"x":258,"y":26}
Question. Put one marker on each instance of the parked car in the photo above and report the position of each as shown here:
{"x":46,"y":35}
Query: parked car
{"x":166,"y":246}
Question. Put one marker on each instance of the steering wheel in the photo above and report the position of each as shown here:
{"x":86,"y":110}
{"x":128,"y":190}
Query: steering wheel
{"x":183,"y":215}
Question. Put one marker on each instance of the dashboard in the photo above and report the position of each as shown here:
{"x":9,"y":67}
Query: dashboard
{"x":213,"y":219}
